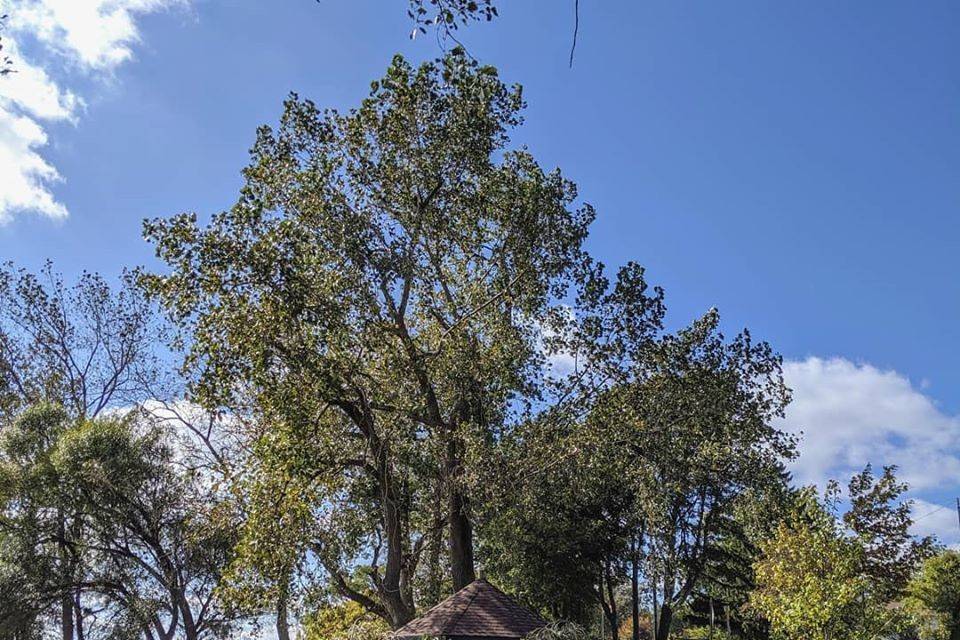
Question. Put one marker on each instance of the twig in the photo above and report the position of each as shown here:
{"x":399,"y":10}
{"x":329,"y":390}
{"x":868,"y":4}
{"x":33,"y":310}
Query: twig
{"x":576,"y":29}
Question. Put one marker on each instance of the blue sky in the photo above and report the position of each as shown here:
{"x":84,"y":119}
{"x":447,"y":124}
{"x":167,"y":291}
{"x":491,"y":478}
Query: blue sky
{"x":794,"y":164}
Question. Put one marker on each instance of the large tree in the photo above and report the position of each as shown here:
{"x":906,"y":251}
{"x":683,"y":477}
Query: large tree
{"x":695,"y":422}
{"x":379,"y":290}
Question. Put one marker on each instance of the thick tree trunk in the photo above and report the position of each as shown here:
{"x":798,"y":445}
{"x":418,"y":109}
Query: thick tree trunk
{"x":283,"y":624}
{"x":461,"y":542}
{"x":390,"y":602}
{"x":66,"y":617}
{"x":458,"y":521}
{"x":663,"y":628}
{"x":186,"y":614}
{"x":433,"y":587}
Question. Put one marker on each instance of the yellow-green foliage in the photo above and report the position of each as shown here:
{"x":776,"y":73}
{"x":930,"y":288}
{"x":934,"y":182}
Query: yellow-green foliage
{"x":934,"y":597}
{"x":806,"y":580}
{"x":704,"y":633}
{"x":811,"y":582}
{"x":347,"y":621}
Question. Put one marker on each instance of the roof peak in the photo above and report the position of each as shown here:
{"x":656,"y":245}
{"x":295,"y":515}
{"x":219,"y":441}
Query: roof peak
{"x":477,"y":610}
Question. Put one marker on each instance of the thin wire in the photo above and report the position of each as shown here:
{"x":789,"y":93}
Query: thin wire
{"x":926,"y":515}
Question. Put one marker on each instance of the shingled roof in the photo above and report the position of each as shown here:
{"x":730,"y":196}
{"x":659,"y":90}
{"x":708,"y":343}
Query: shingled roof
{"x":479,"y":610}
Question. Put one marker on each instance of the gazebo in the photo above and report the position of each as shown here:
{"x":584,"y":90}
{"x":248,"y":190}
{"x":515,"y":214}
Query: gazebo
{"x":479,"y":611}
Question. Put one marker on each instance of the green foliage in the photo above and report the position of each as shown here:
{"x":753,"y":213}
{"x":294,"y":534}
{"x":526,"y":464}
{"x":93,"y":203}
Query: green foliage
{"x":33,"y":501}
{"x":344,"y":621}
{"x":379,"y":316}
{"x":561,"y":631}
{"x":99,"y":504}
{"x":706,"y":633}
{"x":934,"y":596}
{"x":449,"y":14}
{"x":814,"y":581}
{"x":808,"y":581}
{"x":378,"y":294}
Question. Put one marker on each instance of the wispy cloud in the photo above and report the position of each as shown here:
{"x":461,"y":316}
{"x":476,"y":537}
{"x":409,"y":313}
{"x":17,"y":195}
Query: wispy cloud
{"x":69,"y":39}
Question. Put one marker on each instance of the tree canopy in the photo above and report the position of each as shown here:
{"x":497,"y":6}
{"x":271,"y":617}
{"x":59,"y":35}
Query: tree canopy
{"x":391,"y":363}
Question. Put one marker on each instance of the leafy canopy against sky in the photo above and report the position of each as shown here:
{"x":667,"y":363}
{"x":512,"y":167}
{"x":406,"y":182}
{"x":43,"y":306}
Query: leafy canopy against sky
{"x":793,"y":167}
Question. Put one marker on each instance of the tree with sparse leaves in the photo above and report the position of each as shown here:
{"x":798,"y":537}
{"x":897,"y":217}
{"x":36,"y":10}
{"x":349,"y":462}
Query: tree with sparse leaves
{"x":448,"y":15}
{"x":86,"y":347}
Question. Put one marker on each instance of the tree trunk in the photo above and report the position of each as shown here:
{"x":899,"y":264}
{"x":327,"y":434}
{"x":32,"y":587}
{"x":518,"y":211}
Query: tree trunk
{"x":283,"y":624}
{"x":635,"y":587}
{"x":389,"y":588}
{"x":461,"y":543}
{"x":78,"y":610}
{"x":663,"y":628}
{"x":66,"y":600}
{"x":713,"y":618}
{"x":432,"y":590}
{"x":458,"y":521}
{"x":186,"y":614}
{"x":66,"y":617}
{"x":656,"y":613}
{"x":609,"y":603}
{"x":726,"y":615}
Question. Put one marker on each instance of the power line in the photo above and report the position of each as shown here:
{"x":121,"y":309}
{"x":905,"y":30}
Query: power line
{"x":928,"y":514}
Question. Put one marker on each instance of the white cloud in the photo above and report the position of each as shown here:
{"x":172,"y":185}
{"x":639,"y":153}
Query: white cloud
{"x":95,"y":33}
{"x":89,"y":37}
{"x":930,"y":519}
{"x":852,"y":414}
{"x":26,"y":175}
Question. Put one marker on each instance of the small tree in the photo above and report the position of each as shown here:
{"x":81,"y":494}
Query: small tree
{"x":808,"y":580}
{"x":881,"y":520}
{"x":813,"y":579}
{"x":936,"y":589}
